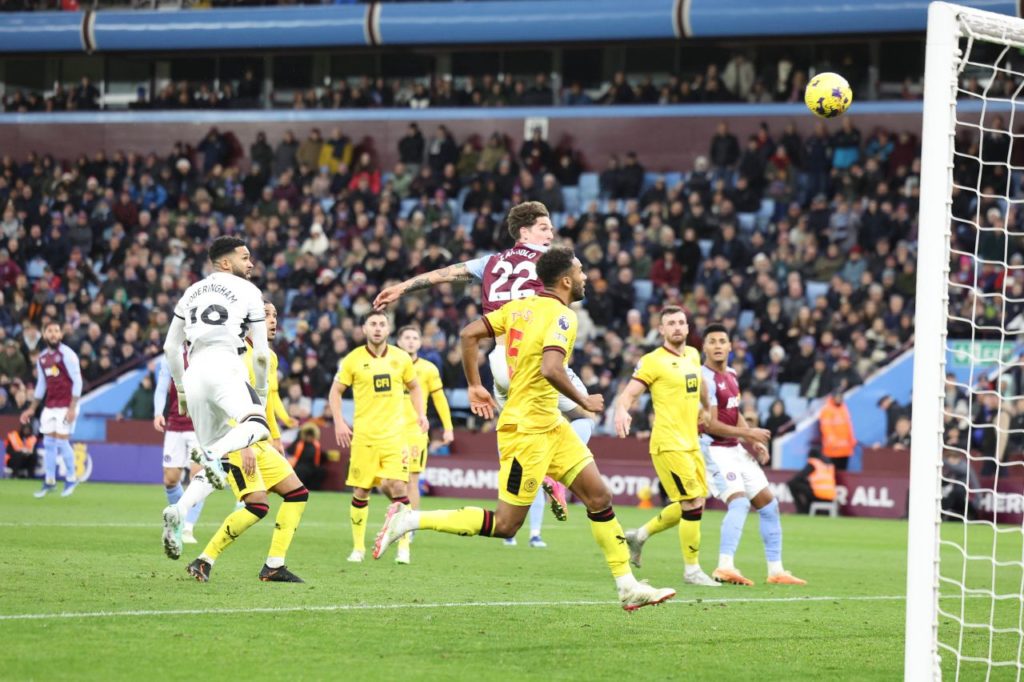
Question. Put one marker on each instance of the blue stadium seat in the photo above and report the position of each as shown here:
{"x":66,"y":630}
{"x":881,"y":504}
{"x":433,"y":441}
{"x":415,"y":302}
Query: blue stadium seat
{"x":649,"y":180}
{"x":814,"y":290}
{"x":746,"y":320}
{"x":319,"y":404}
{"x":407,"y":205}
{"x":571,"y":197}
{"x":796,"y":407}
{"x":764,"y":406}
{"x":589,"y":188}
{"x":458,"y":398}
{"x":789,"y":390}
{"x":672,"y":179}
{"x":558,"y":220}
{"x":467,"y":219}
{"x":288,"y":298}
{"x":289,"y":326}
{"x":765,"y":215}
{"x":644,"y":290}
{"x":705,"y":247}
{"x":385,"y":177}
{"x":747,"y":221}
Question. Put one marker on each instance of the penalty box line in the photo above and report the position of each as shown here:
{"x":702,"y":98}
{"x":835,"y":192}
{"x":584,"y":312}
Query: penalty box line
{"x":397,"y":607}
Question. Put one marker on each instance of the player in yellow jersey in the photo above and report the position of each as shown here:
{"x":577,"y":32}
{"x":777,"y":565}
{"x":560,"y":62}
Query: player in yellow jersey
{"x":429,"y":378}
{"x":673,"y":374}
{"x":380,"y":375}
{"x":534,"y":439}
{"x":275,"y":406}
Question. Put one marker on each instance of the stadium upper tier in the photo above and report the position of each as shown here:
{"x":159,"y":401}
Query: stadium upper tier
{"x":466,"y":23}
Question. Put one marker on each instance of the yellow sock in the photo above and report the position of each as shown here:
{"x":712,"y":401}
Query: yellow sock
{"x":465,"y":521}
{"x":234,"y":525}
{"x":288,"y":517}
{"x":611,"y":539}
{"x":358,"y":512}
{"x":666,"y":518}
{"x":689,"y":536}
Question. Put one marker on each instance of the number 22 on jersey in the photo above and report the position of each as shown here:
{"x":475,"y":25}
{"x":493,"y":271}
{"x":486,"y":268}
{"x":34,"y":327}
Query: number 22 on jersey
{"x":519,"y":274}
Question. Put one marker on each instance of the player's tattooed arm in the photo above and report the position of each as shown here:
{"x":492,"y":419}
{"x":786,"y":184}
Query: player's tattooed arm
{"x":452,"y":273}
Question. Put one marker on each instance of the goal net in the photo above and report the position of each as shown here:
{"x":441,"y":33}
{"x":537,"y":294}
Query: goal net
{"x":965,"y":582}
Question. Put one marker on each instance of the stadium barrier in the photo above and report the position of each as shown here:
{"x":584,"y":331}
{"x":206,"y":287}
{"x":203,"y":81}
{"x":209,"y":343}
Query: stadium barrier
{"x":464,"y":23}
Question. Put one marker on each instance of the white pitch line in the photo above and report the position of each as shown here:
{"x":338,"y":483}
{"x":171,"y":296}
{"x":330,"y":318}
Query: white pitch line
{"x":392,"y":607}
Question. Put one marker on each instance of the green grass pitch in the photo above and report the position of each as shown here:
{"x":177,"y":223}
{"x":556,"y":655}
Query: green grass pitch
{"x":86,"y":593}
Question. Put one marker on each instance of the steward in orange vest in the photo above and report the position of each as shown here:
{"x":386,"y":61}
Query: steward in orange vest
{"x":20,"y":448}
{"x":306,"y":457}
{"x":816,"y":482}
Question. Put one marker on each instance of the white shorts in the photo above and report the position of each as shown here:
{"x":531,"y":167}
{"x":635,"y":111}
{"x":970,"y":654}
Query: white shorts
{"x":52,"y":421}
{"x":499,"y":370}
{"x":733,"y":470}
{"x":177,"y":446}
{"x":217,"y":390}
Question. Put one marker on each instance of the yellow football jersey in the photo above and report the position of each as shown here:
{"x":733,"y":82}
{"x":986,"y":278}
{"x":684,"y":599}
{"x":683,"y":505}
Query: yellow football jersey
{"x":275,"y":406}
{"x":674,"y":382}
{"x":378,"y":388}
{"x":531,"y":326}
{"x":429,"y":379}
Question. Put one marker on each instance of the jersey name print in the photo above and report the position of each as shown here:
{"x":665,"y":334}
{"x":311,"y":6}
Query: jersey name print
{"x":217,"y":311}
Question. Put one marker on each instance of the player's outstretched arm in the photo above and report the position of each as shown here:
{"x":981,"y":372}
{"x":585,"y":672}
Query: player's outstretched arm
{"x":623,"y":420}
{"x":552,"y":368}
{"x":480,"y":401}
{"x":450,"y":273}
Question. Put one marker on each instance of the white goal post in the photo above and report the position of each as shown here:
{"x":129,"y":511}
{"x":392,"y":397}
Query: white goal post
{"x":965,"y":579}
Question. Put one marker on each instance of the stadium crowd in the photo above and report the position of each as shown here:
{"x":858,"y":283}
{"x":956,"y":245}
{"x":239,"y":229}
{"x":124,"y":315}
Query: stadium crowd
{"x":803,"y":245}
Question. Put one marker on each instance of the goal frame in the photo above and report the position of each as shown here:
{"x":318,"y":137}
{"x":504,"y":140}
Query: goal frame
{"x":946,"y":26}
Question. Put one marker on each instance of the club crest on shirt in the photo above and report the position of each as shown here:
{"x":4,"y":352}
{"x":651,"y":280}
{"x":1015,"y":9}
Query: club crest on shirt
{"x":530,"y":485}
{"x":53,"y":371}
{"x":563,"y":323}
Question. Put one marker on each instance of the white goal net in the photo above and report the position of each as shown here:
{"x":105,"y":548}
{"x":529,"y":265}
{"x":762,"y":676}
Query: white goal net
{"x":965,"y":587}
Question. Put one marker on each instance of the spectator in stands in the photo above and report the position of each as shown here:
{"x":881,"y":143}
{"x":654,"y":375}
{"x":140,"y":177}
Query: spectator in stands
{"x":20,"y":451}
{"x":958,"y":478}
{"x":837,"y":438}
{"x":777,"y":418}
{"x":85,"y":96}
{"x":140,"y":405}
{"x":899,"y":437}
{"x":816,"y":482}
{"x":306,"y":457}
{"x":619,"y":91}
{"x":285,"y":154}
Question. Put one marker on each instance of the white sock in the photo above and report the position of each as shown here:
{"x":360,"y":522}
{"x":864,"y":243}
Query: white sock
{"x":205,"y":558}
{"x":725,"y":561}
{"x":412,"y":522}
{"x":625,"y":582}
{"x":240,"y":437}
{"x":642,"y":534}
{"x":275,"y":562}
{"x":189,"y":527}
{"x":692,"y":569}
{"x":775,"y":567}
{"x":197,"y":491}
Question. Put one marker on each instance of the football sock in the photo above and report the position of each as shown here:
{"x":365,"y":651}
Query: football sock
{"x":193,"y":514}
{"x":771,"y":534}
{"x":732,"y":529}
{"x":174,"y":494}
{"x":689,"y":537}
{"x":537,"y":513}
{"x":250,"y":430}
{"x":196,"y":492}
{"x":50,"y":459}
{"x":611,"y":539}
{"x":584,"y":428}
{"x":666,"y":518}
{"x":404,"y":541}
{"x":465,"y":521}
{"x":287,"y":520}
{"x":68,"y":455}
{"x":234,"y":525}
{"x":357,"y":514}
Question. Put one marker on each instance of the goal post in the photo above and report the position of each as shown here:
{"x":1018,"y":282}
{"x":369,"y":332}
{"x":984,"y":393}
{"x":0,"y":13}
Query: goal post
{"x":934,"y":218}
{"x":965,"y":579}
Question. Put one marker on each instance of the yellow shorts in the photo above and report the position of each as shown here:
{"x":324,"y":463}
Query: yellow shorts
{"x":681,"y":473}
{"x":271,"y":469}
{"x":526,"y":458}
{"x":375,"y":460}
{"x":419,"y":444}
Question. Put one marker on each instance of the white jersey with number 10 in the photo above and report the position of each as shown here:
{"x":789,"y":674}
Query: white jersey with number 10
{"x":218,"y":310}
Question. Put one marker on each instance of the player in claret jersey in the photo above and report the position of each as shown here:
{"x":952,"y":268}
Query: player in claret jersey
{"x":738,"y":477}
{"x":508,"y":276}
{"x":59,"y":380}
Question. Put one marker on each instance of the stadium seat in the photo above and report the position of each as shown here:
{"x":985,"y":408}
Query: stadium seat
{"x":458,"y":398}
{"x":814,"y":290}
{"x":829,"y":508}
{"x":672,"y":179}
{"x":747,"y":221}
{"x":649,"y":180}
{"x":746,"y":320}
{"x":705,"y":247}
{"x":796,"y":407}
{"x":765,"y":215}
{"x":558,"y":220}
{"x":644,"y":290}
{"x":319,"y":404}
{"x":789,"y":390}
{"x":407,"y":205}
{"x":589,"y":188}
{"x":467,"y":219}
{"x":571,"y":197}
{"x":288,"y":298}
{"x":764,"y":406}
